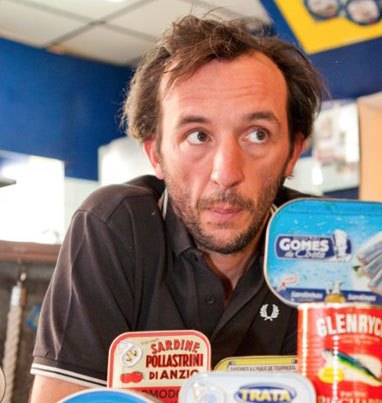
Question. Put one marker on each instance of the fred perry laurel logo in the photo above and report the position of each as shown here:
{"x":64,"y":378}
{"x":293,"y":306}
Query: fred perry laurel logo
{"x":274,"y":314}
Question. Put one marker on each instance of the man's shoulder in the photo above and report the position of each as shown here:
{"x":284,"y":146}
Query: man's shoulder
{"x":144,"y":190}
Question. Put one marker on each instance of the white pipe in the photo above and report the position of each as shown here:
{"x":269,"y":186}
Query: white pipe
{"x":18,"y":298}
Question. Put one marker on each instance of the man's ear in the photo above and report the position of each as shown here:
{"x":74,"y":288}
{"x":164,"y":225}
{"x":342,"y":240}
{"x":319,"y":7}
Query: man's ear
{"x":299,"y":139}
{"x":150,"y":146}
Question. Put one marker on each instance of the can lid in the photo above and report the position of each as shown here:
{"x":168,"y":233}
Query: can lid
{"x":243,"y":386}
{"x":106,"y":395}
{"x":337,"y":305}
{"x":325,"y":251}
{"x":259,"y":363}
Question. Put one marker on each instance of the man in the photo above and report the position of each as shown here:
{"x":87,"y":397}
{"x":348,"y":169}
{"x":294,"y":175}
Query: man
{"x":222,"y":116}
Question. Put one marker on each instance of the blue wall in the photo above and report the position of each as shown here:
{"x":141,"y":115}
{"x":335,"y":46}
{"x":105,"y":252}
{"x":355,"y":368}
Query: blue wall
{"x":65,"y":108}
{"x":350,"y":71}
{"x":58,"y":106}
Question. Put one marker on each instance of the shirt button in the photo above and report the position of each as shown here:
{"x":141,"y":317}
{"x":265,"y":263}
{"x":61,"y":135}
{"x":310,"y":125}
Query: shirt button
{"x":210,"y":299}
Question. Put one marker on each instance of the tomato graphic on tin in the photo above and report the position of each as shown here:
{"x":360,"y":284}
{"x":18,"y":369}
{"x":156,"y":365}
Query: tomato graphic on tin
{"x":133,"y":377}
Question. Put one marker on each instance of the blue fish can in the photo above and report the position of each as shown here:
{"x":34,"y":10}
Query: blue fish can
{"x":339,"y":350}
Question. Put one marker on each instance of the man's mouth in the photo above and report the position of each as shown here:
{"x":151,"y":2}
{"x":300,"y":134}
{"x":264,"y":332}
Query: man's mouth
{"x":224,"y":209}
{"x":223,"y":212}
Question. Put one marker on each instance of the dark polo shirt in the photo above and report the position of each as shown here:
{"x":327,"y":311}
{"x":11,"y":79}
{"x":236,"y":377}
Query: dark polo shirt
{"x":123,"y":267}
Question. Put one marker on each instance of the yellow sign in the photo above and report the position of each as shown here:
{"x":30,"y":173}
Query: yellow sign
{"x":317,"y":35}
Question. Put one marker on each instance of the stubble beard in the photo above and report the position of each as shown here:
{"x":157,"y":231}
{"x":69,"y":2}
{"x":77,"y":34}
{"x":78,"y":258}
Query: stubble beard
{"x":259,"y":212}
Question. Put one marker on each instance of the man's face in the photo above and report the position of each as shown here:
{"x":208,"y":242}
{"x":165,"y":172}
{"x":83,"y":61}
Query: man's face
{"x":225,"y":149}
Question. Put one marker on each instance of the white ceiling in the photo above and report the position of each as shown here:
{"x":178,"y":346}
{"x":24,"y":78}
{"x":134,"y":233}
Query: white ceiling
{"x":111,"y":31}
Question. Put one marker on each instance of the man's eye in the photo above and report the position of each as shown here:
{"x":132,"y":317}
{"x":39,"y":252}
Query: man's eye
{"x":258,"y":136}
{"x":197,"y":137}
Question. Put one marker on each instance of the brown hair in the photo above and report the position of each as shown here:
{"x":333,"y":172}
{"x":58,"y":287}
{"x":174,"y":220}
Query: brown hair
{"x":193,"y":42}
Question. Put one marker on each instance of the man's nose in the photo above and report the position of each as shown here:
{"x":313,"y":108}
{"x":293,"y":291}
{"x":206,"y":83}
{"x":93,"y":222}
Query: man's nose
{"x":228,"y":162}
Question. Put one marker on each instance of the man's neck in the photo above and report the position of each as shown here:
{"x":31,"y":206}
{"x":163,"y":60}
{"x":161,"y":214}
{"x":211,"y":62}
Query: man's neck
{"x":231,"y":267}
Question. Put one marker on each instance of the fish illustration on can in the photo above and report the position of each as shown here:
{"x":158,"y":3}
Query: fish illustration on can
{"x":352,"y":366}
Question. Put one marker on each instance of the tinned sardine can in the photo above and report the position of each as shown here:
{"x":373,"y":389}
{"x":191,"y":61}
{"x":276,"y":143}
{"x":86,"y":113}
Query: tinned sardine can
{"x":339,"y":349}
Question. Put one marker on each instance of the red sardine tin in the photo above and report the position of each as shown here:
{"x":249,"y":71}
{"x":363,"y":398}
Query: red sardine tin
{"x":157,"y":363}
{"x":340,"y":351}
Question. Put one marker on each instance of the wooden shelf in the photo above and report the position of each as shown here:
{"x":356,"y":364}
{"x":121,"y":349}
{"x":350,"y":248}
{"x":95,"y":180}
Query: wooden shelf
{"x":28,"y":252}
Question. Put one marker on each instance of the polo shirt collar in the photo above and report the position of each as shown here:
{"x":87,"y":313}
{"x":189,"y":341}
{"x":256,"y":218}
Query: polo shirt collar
{"x":180,"y":239}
